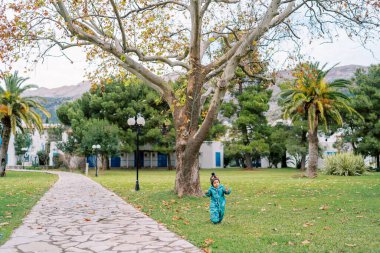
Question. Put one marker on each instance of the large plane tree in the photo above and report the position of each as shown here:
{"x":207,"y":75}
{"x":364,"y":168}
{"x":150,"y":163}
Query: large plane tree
{"x":152,"y":38}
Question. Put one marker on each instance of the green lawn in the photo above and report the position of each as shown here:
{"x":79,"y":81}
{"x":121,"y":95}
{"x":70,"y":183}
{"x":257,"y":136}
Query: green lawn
{"x":19,"y":192}
{"x":269,"y":210}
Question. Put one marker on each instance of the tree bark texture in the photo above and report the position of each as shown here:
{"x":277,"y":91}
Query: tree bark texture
{"x":187,"y":181}
{"x":105,"y":162}
{"x":311,"y":170}
{"x":6,"y":135}
{"x":248,"y":161}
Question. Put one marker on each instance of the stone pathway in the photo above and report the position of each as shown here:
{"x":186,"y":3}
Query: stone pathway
{"x":78,"y":215}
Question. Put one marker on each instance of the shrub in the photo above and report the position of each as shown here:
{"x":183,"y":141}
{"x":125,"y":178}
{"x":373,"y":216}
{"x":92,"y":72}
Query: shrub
{"x":344,"y":164}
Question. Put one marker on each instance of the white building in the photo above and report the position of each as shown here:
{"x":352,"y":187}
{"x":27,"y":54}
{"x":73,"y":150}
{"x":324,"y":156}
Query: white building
{"x":38,"y":143}
{"x":211,"y":153}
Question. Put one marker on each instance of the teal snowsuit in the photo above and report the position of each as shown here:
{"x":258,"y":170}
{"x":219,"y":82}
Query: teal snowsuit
{"x":218,"y":202}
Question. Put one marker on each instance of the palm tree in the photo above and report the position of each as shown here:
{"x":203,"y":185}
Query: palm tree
{"x":17,"y":112}
{"x":310,"y":96}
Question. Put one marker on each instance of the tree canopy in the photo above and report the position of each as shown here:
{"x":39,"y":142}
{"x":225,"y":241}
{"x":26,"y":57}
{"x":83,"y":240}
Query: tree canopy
{"x":365,"y":92}
{"x":150,"y":39}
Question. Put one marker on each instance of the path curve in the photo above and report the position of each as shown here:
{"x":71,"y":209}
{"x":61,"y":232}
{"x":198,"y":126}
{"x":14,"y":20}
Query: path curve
{"x":78,"y":215}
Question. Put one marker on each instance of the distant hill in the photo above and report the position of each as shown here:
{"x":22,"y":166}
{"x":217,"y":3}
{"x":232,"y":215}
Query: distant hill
{"x":56,"y":96}
{"x":68,"y":91}
{"x":53,"y":98}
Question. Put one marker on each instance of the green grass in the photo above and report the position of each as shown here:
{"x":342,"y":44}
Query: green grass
{"x":19,"y":192}
{"x":268,"y":210}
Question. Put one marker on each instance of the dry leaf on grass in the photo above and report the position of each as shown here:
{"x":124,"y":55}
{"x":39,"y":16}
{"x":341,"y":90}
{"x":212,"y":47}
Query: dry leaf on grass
{"x":209,"y":241}
{"x":350,"y":245}
{"x":324,"y":207}
{"x":305,"y":242}
{"x":308,"y":224}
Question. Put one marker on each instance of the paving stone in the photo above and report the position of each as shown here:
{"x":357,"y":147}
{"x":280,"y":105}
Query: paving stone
{"x":78,"y":215}
{"x":40,"y":247}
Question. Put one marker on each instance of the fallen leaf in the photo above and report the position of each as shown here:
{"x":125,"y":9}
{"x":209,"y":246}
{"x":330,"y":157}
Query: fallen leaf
{"x":176,"y":218}
{"x":359,"y":216}
{"x":274,"y":243}
{"x":209,"y":241}
{"x":290,"y":243}
{"x":350,"y":245}
{"x":327,"y":228}
{"x":186,"y":222}
{"x":87,"y":219}
{"x":308,"y":224}
{"x":305,"y":242}
{"x":324,"y":207}
{"x":11,"y":205}
{"x":4,"y":223}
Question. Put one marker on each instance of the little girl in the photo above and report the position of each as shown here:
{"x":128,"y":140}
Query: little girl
{"x":218,"y":201}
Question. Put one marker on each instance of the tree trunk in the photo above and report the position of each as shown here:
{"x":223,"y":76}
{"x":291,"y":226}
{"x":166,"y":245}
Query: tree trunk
{"x":303,"y":162}
{"x":5,"y":142}
{"x":311,"y":170}
{"x":283,"y":160}
{"x":248,"y":161}
{"x":303,"y":142}
{"x":378,"y":161}
{"x":105,"y":162}
{"x":170,"y":167}
{"x":187,"y":180}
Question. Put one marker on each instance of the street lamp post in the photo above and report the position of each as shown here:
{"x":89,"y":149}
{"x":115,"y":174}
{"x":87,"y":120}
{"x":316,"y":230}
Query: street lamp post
{"x":137,"y":122}
{"x":23,"y":157}
{"x":96,"y":148}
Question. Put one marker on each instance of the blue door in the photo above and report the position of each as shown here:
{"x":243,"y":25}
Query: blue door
{"x":162,"y":160}
{"x":217,"y":159}
{"x":115,"y":162}
{"x":91,"y":161}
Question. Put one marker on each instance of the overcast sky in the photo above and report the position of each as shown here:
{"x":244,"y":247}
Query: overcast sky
{"x":55,"y":72}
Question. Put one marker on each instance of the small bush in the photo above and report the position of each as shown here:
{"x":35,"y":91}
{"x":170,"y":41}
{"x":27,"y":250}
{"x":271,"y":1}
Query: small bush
{"x":344,"y":164}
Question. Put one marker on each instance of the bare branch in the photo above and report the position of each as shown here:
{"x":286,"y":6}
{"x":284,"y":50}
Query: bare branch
{"x":164,"y":59}
{"x":130,"y":64}
{"x":120,"y":24}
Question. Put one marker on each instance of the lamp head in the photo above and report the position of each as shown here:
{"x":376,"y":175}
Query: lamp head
{"x":131,"y":121}
{"x":141,"y":121}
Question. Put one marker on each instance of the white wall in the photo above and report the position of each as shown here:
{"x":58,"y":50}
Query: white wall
{"x":207,"y":154}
